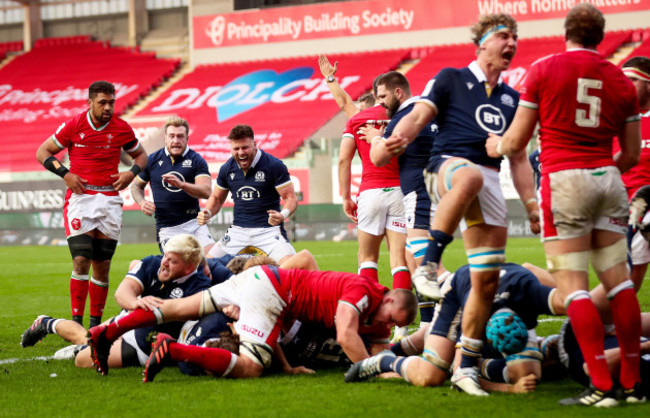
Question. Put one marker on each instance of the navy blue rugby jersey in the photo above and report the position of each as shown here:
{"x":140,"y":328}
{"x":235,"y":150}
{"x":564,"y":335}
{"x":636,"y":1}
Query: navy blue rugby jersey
{"x":518,"y":290}
{"x":146,"y":273}
{"x":413,"y":161}
{"x":173,"y":205}
{"x":466,"y":114}
{"x":256,"y":191}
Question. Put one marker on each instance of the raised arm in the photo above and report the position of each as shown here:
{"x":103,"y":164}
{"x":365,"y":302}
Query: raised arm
{"x":342,"y":98}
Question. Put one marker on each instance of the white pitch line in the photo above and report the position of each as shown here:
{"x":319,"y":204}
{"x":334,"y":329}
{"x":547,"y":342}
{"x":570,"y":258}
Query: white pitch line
{"x":16,"y":360}
{"x":551,"y":320}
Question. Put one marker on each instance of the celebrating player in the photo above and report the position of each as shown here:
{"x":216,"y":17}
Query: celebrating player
{"x":468,"y":104}
{"x":581,"y":102}
{"x":93,"y":207}
{"x":394,"y":94}
{"x":179,"y":178}
{"x":257,"y":181}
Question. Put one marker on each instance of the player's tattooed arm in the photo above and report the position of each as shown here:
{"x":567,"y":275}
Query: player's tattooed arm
{"x":137,"y":192}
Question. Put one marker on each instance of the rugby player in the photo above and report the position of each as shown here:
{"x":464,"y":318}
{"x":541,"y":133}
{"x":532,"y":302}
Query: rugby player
{"x":468,"y":104}
{"x":584,"y":204}
{"x":257,"y":181}
{"x":92,"y":211}
{"x":179,"y":177}
{"x":265,"y":295}
{"x":518,"y":290}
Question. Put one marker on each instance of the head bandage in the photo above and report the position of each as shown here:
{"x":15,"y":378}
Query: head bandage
{"x":632,"y":72}
{"x":488,"y":33}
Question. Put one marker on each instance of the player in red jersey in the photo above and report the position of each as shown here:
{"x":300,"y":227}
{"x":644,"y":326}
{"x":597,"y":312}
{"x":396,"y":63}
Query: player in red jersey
{"x":637,"y":69}
{"x":268,"y":296}
{"x":93,"y":207}
{"x":581,"y":102}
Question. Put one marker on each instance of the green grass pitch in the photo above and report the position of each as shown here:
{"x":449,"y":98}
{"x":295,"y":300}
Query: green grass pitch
{"x":34,"y":280}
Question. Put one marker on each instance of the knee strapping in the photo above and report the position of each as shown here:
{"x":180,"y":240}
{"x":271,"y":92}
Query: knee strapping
{"x":81,"y":246}
{"x":259,"y":353}
{"x":451,"y":169}
{"x":432,"y":357}
{"x":103,"y":249}
{"x":417,"y":246}
{"x":576,"y":261}
{"x":486,"y":258}
{"x":602,"y":259}
{"x":208,"y":304}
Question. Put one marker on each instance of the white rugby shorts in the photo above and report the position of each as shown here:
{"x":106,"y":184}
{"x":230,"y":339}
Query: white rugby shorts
{"x":381,"y":209}
{"x":489,"y":206}
{"x":260,"y":307}
{"x":574,"y":202}
{"x":266,"y":241}
{"x":85,"y":212}
{"x":192,"y":227}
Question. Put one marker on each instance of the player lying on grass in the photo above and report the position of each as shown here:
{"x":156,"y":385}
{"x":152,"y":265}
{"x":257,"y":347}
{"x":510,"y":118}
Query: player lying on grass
{"x":133,"y":348}
{"x":518,"y":290}
{"x":308,"y":346}
{"x":567,"y":352}
{"x":267,"y":296}
{"x":148,"y":282}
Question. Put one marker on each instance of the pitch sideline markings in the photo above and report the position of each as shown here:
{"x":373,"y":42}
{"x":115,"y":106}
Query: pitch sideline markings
{"x":16,"y":360}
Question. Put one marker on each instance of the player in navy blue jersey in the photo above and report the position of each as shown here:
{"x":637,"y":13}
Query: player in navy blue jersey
{"x":257,"y":181}
{"x":468,"y":104}
{"x":518,"y":290}
{"x":147,"y":284}
{"x":568,"y":353}
{"x":394,"y":94}
{"x":179,"y":177}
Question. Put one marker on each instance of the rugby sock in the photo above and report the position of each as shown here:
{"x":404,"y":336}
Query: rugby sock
{"x":438,"y":241}
{"x":590,"y":335}
{"x":78,"y":295}
{"x":470,"y":349}
{"x":50,"y":324}
{"x":98,"y":292}
{"x":369,"y":269}
{"x":139,"y":318}
{"x":494,"y":369}
{"x":627,"y":317}
{"x":401,"y":278}
{"x":397,"y":365}
{"x":404,"y":348}
{"x":215,"y":360}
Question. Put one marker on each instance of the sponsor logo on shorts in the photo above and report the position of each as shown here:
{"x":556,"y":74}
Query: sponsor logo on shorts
{"x":399,"y":224}
{"x":618,"y":221}
{"x":75,"y":224}
{"x":250,"y":330}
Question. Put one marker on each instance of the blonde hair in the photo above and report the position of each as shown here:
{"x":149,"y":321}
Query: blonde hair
{"x":187,"y":247}
{"x":487,"y":22}
{"x":177,"y":121}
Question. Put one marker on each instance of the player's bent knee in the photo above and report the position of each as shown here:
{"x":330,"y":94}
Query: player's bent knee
{"x":576,"y":261}
{"x":81,"y":246}
{"x":602,"y":259}
{"x":83,"y":359}
{"x":103,"y":249}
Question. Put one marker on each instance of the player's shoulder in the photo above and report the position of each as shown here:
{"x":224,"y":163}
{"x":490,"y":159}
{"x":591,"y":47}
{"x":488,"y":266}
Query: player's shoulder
{"x":194,"y":155}
{"x":376,"y":112}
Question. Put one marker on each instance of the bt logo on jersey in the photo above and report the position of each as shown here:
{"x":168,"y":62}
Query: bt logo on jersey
{"x":248,"y":193}
{"x":490,"y":118}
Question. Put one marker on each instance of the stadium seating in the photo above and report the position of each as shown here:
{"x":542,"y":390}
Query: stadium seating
{"x":44,"y":87}
{"x":282,"y":119}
